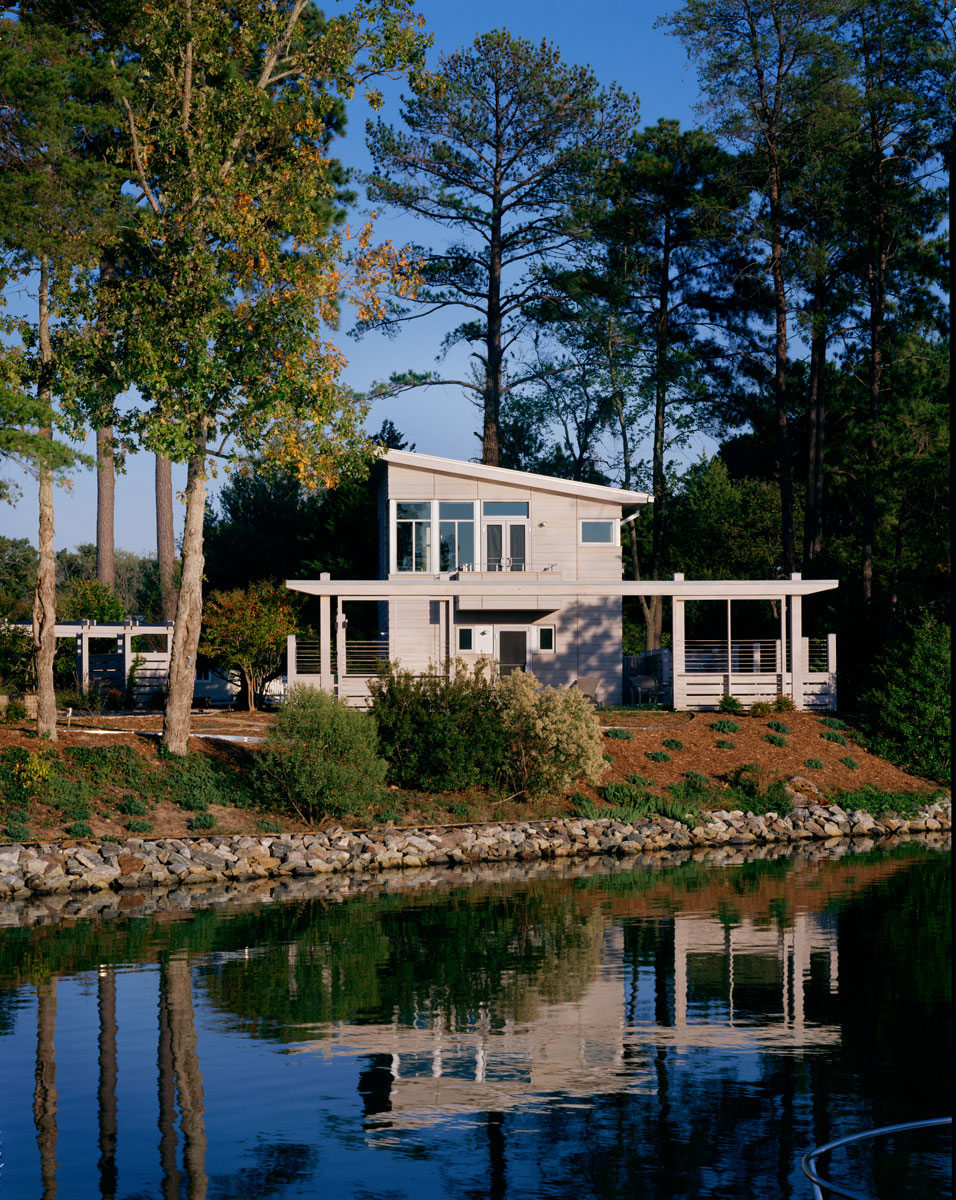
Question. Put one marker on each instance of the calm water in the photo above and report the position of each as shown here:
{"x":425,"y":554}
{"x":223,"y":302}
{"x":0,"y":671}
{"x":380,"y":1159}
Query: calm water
{"x":600,"y":1032}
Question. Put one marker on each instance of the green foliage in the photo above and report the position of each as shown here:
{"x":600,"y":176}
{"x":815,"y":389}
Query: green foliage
{"x":80,"y":829}
{"x":724,"y":726}
{"x":439,"y":732}
{"x":784,"y":704}
{"x":16,"y":661}
{"x":778,"y":726}
{"x":623,"y":794}
{"x":16,"y":712}
{"x":553,"y":735}
{"x":17,"y":831}
{"x":831,"y":735}
{"x":270,"y":825}
{"x":640,"y":780}
{"x":760,"y":708}
{"x":622,"y":735}
{"x":813,"y":764}
{"x":23,"y":773}
{"x":730,"y":704}
{"x":320,"y":757}
{"x":697,"y":779}
{"x":132,"y":807}
{"x":775,"y":739}
{"x":723,"y":744}
{"x":908,"y":713}
{"x":246,"y":631}
{"x":673,"y":744}
{"x":201,"y":821}
{"x":754,"y":788}
{"x":137,"y":825}
{"x":879,"y":802}
{"x":657,"y":755}
{"x":833,"y":723}
{"x":850,"y":762}
{"x":90,"y":600}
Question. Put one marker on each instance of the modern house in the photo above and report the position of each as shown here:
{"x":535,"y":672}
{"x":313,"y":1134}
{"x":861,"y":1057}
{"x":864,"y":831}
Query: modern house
{"x":524,"y":570}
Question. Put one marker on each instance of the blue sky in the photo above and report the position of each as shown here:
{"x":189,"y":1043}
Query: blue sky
{"x":619,"y":41}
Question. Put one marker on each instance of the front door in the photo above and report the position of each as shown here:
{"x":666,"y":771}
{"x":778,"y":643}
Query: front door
{"x":512,"y":650}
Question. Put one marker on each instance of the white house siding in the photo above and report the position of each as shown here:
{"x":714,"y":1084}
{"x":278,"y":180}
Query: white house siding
{"x":414,"y":626}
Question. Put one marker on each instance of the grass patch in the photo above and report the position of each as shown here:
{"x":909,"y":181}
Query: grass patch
{"x":850,"y":762}
{"x":137,"y":825}
{"x":878,"y":802}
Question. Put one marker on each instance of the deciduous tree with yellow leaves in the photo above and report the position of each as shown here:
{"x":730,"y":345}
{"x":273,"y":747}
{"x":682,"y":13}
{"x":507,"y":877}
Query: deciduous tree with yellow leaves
{"x":237,"y":258}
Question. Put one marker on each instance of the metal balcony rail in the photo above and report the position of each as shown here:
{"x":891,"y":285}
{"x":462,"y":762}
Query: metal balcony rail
{"x":503,"y":563}
{"x":823,"y":1188}
{"x":748,"y":656}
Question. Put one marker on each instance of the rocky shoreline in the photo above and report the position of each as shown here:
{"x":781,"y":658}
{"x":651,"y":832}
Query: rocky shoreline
{"x":52,"y":869}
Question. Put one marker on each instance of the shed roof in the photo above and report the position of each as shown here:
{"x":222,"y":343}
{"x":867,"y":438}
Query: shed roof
{"x":528,"y":479}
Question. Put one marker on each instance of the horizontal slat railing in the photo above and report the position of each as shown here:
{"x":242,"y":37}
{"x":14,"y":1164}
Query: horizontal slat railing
{"x":749,"y":656}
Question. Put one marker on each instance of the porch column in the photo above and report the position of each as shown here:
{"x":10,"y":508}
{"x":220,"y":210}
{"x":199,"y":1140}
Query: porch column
{"x":796,"y":647}
{"x":340,"y":623}
{"x":730,"y":653}
{"x":127,"y":650}
{"x":783,"y":645}
{"x":325,"y":639}
{"x":290,"y":662}
{"x":677,"y":638}
{"x":83,"y":657}
{"x":831,"y":670}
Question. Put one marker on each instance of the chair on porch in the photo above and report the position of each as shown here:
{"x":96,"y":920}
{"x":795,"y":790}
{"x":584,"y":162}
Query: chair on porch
{"x":647,"y":689}
{"x":588,"y":685}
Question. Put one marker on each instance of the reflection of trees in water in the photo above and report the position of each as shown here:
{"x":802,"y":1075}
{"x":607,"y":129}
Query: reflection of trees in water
{"x":45,"y":1094}
{"x":385,"y":958}
{"x":106,"y":1093}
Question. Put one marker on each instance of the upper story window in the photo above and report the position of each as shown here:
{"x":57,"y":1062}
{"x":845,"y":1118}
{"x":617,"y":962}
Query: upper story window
{"x":505,"y":508}
{"x":413,"y":535}
{"x":506,"y":534}
{"x":456,"y":535}
{"x":600,"y":533}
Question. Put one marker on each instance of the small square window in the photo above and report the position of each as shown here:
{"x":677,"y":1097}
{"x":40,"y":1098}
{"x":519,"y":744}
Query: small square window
{"x":465,"y":637}
{"x":545,"y":637}
{"x":597,"y":532}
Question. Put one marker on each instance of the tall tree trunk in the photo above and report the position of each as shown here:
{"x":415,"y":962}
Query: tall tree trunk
{"x":105,"y":492}
{"x":182,"y":666}
{"x":106,"y":1093}
{"x":780,"y":349}
{"x":816,"y":427}
{"x":165,"y":541}
{"x":44,"y":596}
{"x":44,"y":1093}
{"x":661,"y":340}
{"x":493,"y":354}
{"x":877,"y":298}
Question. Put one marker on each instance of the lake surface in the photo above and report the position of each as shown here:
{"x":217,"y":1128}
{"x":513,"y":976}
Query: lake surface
{"x":585,"y":1031}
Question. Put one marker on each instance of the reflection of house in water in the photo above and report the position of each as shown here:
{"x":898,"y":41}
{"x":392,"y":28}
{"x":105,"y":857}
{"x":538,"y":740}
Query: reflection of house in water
{"x":732,"y":984}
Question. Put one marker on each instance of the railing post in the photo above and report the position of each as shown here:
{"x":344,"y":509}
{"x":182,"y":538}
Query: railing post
{"x":291,"y":664}
{"x":796,"y":646}
{"x":677,"y":638}
{"x":325,"y":639}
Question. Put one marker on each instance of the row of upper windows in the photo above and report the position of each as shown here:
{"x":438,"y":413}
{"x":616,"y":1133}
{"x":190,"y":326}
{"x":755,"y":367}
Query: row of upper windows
{"x":504,"y":525}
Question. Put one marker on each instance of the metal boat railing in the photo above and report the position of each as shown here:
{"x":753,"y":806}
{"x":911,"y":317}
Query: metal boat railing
{"x":822,"y":1188}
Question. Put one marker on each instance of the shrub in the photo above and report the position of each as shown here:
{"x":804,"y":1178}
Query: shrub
{"x":640,"y":780}
{"x":775,"y":739}
{"x":320,"y":757}
{"x":16,"y":660}
{"x":723,"y":744}
{"x":851,"y":763}
{"x":813,"y":764}
{"x":830,"y":735}
{"x":553,"y":735}
{"x":758,"y":789}
{"x":194,"y":782}
{"x":784,"y":704}
{"x":778,"y":726}
{"x":439,"y":732}
{"x":16,"y":711}
{"x":23,"y":773}
{"x":80,"y":829}
{"x":622,"y":735}
{"x":269,"y":825}
{"x":132,"y":807}
{"x":203,"y":820}
{"x":16,"y":831}
{"x":135,"y":825}
{"x":879,"y":802}
{"x":725,"y":726}
{"x":760,"y":708}
{"x":608,"y":757}
{"x":833,"y":723}
{"x":730,"y":704}
{"x":673,"y":744}
{"x":697,"y":779}
{"x":657,"y":755}
{"x":907,"y":713}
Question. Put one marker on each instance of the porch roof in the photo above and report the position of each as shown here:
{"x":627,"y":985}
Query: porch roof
{"x":549,"y":593}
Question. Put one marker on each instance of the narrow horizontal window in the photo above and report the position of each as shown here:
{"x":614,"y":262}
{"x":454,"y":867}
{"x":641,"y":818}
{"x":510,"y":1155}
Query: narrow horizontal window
{"x":456,"y":510}
{"x":413,"y":511}
{"x":601,"y":532}
{"x":505,"y":508}
{"x":465,"y":638}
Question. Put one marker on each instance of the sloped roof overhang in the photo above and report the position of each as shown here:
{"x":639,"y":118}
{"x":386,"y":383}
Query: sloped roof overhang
{"x":548,"y":594}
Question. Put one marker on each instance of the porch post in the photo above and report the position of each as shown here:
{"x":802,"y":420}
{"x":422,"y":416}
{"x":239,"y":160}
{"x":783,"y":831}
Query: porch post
{"x":783,"y":645}
{"x":83,"y":656}
{"x":340,"y":623}
{"x":290,"y":662}
{"x":325,"y":639}
{"x":730,"y":653}
{"x":796,"y":647}
{"x":831,"y":670}
{"x":677,"y":639}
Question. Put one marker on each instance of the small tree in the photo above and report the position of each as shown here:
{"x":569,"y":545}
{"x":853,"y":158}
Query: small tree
{"x":245,"y":631}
